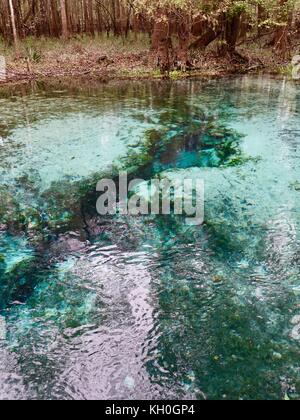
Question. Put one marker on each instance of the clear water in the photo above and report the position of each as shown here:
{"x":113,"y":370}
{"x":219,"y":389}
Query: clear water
{"x":150,"y":308}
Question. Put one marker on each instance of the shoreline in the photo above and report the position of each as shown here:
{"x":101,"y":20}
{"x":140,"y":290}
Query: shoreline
{"x":126,"y":67}
{"x":12,"y":82}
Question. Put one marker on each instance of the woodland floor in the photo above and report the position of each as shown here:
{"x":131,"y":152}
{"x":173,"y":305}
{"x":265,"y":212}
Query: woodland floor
{"x":105,"y":58}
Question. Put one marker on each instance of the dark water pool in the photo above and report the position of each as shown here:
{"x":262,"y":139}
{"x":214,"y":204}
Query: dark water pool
{"x":149,"y":307}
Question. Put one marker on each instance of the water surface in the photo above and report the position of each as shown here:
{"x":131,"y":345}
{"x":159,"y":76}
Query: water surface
{"x":148,"y":307}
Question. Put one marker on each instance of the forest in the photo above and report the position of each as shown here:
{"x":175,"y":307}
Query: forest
{"x":177,"y":29}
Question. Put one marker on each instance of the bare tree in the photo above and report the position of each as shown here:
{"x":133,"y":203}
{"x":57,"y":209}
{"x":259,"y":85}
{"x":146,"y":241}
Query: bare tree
{"x":64,"y":19}
{"x":14,"y":28}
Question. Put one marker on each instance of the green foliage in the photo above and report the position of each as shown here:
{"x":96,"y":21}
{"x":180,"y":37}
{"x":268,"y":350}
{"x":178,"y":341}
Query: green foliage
{"x":34,"y":54}
{"x":285,"y":70}
{"x":276,"y":10}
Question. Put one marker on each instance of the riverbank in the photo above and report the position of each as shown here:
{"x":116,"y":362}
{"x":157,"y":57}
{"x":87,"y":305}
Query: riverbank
{"x":108,"y":59}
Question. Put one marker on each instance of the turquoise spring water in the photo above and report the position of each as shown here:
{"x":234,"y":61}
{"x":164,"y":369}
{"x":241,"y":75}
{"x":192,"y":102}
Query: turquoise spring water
{"x":149,"y":307}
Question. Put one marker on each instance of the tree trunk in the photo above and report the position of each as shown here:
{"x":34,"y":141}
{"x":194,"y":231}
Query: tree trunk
{"x":18,"y":17}
{"x":43,"y":25}
{"x":116,"y":17}
{"x":281,"y":39}
{"x":85,"y":16}
{"x":231,"y":34}
{"x":207,"y":38}
{"x":162,"y":43}
{"x":91,"y":18}
{"x":14,"y":28}
{"x":64,"y":19}
{"x":55,"y":31}
{"x":261,"y":18}
{"x":184,"y":35}
{"x":244,"y":27}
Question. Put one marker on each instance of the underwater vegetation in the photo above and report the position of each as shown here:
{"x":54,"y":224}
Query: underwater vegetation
{"x":204,"y":144}
{"x":43,"y":216}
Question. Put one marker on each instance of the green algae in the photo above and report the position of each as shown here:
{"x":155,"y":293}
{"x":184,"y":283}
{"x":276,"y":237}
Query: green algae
{"x":59,"y":207}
